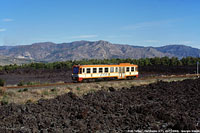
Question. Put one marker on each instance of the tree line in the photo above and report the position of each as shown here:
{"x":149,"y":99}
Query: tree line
{"x":165,"y":61}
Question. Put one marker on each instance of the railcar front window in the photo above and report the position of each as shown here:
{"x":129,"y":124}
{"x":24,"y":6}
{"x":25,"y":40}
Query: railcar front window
{"x":75,"y":70}
{"x":136,"y":69}
{"x":80,"y":70}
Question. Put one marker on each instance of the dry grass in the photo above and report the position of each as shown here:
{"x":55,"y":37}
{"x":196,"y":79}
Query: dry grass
{"x":32,"y":95}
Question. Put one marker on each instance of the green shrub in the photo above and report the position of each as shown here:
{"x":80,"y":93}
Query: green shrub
{"x":78,"y":88}
{"x":2,"y":82}
{"x":29,"y":101}
{"x":4,"y":100}
{"x":45,"y":92}
{"x":21,"y":83}
{"x":30,"y":83}
{"x":23,"y":90}
{"x":54,"y":89}
{"x":2,"y":91}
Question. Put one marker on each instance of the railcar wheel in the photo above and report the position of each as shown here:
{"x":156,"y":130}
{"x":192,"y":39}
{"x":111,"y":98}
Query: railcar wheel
{"x":91,"y":80}
{"x":85,"y":80}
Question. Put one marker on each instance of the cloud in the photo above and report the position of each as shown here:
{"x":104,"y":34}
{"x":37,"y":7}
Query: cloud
{"x":143,"y":25}
{"x":118,"y":36}
{"x":152,"y":41}
{"x":7,"y":20}
{"x":183,"y":42}
{"x":2,"y":29}
{"x":84,"y":36}
{"x":186,"y":42}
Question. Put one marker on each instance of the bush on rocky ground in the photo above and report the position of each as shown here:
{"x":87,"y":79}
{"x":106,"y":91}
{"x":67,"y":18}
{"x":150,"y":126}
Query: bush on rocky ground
{"x":2,"y":82}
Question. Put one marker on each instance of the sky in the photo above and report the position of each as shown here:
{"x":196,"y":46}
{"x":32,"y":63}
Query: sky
{"x":135,"y":22}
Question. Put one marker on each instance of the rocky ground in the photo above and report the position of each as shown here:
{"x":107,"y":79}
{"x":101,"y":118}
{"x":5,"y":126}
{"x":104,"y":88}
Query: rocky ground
{"x":160,"y":105}
{"x":37,"y":76}
{"x":166,"y":70}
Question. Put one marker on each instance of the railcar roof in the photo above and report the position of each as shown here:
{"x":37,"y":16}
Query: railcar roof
{"x":109,"y":65}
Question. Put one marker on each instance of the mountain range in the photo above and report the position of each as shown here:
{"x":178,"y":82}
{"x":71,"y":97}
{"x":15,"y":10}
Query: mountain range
{"x":51,"y":52}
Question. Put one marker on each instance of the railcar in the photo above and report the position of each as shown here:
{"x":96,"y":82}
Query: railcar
{"x":85,"y":73}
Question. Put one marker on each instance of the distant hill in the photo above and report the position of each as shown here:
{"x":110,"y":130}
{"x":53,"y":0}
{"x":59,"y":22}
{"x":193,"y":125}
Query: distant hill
{"x":10,"y":60}
{"x":180,"y":50}
{"x":50,"y":52}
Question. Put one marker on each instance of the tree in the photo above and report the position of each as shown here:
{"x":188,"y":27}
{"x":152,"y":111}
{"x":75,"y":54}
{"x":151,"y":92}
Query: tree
{"x":174,"y":61}
{"x":165,"y":61}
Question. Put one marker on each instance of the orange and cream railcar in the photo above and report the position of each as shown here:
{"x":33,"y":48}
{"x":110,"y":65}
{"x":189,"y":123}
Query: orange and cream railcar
{"x":106,"y":72}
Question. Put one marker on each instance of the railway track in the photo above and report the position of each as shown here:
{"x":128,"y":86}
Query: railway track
{"x":140,"y":78}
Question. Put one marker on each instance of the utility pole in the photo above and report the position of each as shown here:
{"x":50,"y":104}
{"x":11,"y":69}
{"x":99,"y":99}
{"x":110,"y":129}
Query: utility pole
{"x":198,"y":67}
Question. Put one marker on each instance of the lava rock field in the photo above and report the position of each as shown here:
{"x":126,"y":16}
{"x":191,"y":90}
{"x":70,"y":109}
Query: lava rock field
{"x":161,"y":105}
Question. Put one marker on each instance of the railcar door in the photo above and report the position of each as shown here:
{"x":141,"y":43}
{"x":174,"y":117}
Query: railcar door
{"x":122,"y":72}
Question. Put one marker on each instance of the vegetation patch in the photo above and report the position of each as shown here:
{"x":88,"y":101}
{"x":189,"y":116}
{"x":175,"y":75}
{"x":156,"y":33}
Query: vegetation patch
{"x":2,"y":82}
{"x":21,"y":83}
{"x":45,"y":92}
{"x":53,"y":90}
{"x":2,"y":91}
{"x":23,"y":90}
{"x":32,"y":83}
{"x":5,"y":99}
{"x":77,"y":88}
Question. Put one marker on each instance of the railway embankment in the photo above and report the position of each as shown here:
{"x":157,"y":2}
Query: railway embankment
{"x":33,"y":93}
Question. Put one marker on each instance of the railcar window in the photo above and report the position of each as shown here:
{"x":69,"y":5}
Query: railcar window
{"x":88,"y":70}
{"x":136,"y":69}
{"x":106,"y":70}
{"x":116,"y":69}
{"x":94,"y":70}
{"x":127,"y":69}
{"x":100,"y":70}
{"x":83,"y":70}
{"x":132,"y":69}
{"x":112,"y":69}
